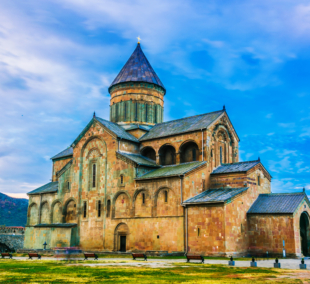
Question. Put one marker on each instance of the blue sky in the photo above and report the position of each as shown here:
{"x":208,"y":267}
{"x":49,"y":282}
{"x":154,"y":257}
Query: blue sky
{"x":57,"y":59}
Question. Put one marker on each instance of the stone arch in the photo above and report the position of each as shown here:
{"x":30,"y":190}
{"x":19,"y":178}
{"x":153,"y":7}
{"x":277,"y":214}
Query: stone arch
{"x":142,"y":206}
{"x":101,"y":160}
{"x":163,"y":206}
{"x":121,"y":232}
{"x":70,"y":214}
{"x":33,"y":214}
{"x":148,"y":152}
{"x":56,"y":212}
{"x":45,"y":213}
{"x":121,"y":207}
{"x":304,"y":233}
{"x":167,"y":155}
{"x":189,"y":151}
{"x":224,"y":145}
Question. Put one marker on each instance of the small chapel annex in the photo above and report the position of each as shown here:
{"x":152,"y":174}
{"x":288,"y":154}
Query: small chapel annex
{"x":137,"y":183}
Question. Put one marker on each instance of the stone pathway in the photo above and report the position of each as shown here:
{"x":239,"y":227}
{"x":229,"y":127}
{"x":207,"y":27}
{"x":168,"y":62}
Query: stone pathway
{"x":285,"y":263}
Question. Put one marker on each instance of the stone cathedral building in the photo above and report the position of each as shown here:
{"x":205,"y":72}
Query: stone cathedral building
{"x":137,"y":183}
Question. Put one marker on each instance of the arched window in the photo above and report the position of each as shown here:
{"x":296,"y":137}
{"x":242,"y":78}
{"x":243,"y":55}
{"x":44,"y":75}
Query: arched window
{"x":108,"y":208}
{"x":146,"y":106}
{"x":94,"y":175}
{"x":166,"y":196}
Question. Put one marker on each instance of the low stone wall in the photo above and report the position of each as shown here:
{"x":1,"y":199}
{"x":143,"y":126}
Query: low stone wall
{"x":14,"y":242}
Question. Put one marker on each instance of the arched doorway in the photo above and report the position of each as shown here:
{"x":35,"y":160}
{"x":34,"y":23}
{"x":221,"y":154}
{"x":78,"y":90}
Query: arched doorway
{"x":304,"y":230}
{"x":121,"y":237}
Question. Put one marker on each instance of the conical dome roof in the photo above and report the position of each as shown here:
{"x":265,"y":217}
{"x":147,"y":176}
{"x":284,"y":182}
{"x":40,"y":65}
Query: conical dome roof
{"x":137,"y":69}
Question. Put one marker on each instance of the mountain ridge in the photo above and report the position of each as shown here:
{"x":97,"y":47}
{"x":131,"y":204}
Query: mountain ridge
{"x":13,"y":211}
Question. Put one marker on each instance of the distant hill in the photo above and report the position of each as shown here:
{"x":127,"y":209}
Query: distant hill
{"x":13,"y":211}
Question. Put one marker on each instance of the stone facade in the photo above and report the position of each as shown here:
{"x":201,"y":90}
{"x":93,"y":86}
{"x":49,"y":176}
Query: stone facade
{"x":120,"y":187}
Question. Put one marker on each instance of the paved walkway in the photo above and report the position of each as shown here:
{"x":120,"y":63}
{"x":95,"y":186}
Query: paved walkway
{"x":285,"y":263}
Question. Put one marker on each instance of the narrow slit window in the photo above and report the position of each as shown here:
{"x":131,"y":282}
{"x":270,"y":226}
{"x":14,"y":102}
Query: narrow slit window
{"x":146,"y":113}
{"x":166,"y":196}
{"x":221,"y":154}
{"x":85,"y":209}
{"x":99,"y":208}
{"x":136,"y":112}
{"x":125,"y":111}
{"x":143,"y":198}
{"x":203,"y":184}
{"x":122,"y":179}
{"x":258,"y":180}
{"x":68,"y":185}
{"x":198,"y":232}
{"x":116,"y":111}
{"x":94,"y":175}
{"x":155,"y":114}
{"x":108,"y":208}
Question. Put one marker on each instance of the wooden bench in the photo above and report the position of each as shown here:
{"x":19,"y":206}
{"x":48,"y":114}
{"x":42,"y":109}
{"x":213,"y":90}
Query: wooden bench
{"x":139,"y":255}
{"x":4,"y":254}
{"x":87,"y":255}
{"x":34,"y":254}
{"x":195,"y":257}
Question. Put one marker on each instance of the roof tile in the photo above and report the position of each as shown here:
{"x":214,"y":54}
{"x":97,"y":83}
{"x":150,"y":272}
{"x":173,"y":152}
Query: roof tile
{"x":137,"y":69}
{"x":50,"y":187}
{"x":235,"y":167}
{"x":216,"y":195}
{"x":182,"y":125}
{"x":65,"y":153}
{"x":172,"y":170}
{"x":139,"y":159}
{"x":277,"y":203}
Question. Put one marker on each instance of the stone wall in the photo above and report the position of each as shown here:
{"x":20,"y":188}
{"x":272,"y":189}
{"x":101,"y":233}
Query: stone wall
{"x":14,"y":242}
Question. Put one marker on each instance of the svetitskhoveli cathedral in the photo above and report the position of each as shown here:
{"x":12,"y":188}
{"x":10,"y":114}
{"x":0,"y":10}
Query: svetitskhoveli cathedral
{"x":138,"y":183}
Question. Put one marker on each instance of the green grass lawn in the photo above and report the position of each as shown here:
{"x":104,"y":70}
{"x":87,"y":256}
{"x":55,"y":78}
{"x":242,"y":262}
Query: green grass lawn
{"x":45,"y":271}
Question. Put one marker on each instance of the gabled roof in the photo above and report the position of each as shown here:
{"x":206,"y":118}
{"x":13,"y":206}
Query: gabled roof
{"x":285,"y":203}
{"x":172,"y":170}
{"x":113,"y":127}
{"x":235,"y":167}
{"x":65,"y":153}
{"x":117,"y":130}
{"x":139,"y":160}
{"x":137,"y":69}
{"x":47,"y":188}
{"x":187,"y":124}
{"x":218,"y":195}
